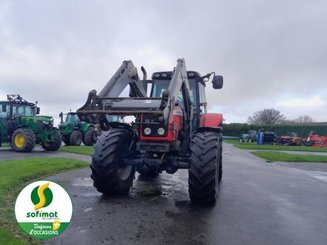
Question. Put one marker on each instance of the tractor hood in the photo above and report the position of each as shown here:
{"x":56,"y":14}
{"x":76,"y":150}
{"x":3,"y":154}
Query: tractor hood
{"x":66,"y":126}
{"x":38,"y":121}
{"x":45,"y":119}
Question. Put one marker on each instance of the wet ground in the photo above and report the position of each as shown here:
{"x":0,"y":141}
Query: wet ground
{"x":259,"y":203}
{"x":7,"y":154}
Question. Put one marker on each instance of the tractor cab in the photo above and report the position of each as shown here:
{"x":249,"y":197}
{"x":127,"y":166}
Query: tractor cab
{"x":161,"y":82}
{"x":72,"y":117}
{"x":16,"y":107}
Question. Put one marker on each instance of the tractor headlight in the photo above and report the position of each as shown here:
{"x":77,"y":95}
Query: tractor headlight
{"x":46,"y":122}
{"x":147,"y":131}
{"x":161,"y":131}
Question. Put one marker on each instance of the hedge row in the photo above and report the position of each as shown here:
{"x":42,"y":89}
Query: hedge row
{"x":236,"y":129}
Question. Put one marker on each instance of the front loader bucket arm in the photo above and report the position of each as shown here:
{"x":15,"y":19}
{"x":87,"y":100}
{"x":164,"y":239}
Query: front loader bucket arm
{"x":124,"y":76}
{"x":107,"y":101}
{"x":178,"y":83}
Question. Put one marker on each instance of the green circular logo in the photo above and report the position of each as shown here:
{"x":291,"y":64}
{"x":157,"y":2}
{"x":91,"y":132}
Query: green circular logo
{"x":39,"y":193}
{"x":43,"y":209}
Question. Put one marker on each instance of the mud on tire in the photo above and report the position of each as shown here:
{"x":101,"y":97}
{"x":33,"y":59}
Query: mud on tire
{"x":205,"y":167}
{"x":110,"y":175}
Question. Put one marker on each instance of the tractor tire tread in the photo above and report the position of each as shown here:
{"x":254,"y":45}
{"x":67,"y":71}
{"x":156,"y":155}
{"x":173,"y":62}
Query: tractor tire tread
{"x":104,"y":163}
{"x":205,"y":159}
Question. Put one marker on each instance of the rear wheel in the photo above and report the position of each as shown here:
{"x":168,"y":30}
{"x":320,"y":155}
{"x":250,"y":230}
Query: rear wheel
{"x":90,"y":137}
{"x":205,"y":167}
{"x":55,"y":143}
{"x":110,"y":174}
{"x":23,"y":140}
{"x":76,"y":138}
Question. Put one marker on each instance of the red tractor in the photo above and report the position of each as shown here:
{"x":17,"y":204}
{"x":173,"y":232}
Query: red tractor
{"x":316,"y":140}
{"x":172,"y":130}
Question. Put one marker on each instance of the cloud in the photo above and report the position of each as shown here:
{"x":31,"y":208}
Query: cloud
{"x":57,"y":51}
{"x":314,"y":101}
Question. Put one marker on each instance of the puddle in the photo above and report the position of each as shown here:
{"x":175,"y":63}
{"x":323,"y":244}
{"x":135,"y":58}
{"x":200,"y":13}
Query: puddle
{"x":83,"y":182}
{"x":321,"y":177}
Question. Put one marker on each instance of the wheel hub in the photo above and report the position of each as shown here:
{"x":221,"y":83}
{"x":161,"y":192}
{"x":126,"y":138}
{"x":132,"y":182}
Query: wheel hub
{"x":19,"y":140}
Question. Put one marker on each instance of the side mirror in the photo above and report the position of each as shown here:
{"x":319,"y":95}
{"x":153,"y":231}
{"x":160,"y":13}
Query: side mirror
{"x":4,"y":108}
{"x":217,"y":82}
{"x":37,"y":110}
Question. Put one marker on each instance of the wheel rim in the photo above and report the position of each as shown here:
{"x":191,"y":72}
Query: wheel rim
{"x":19,"y":140}
{"x":124,"y":172}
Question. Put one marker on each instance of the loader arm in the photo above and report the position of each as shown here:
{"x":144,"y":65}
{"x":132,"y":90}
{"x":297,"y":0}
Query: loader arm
{"x":107,"y":101}
{"x":124,"y":76}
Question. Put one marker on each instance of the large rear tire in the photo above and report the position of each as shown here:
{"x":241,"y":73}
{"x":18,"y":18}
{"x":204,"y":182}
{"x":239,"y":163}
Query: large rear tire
{"x":90,"y":137}
{"x":23,"y":140}
{"x":76,"y":138}
{"x":55,"y":144}
{"x":205,"y":167}
{"x":111,"y":176}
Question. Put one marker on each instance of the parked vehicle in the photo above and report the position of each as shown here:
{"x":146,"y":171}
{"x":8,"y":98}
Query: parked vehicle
{"x":22,"y":128}
{"x":316,"y":140}
{"x":289,"y":139}
{"x":172,"y":130}
{"x":250,"y":136}
{"x":74,"y":131}
{"x":265,"y":137}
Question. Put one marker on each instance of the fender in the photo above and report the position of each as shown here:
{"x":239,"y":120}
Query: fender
{"x":211,"y":120}
{"x":85,"y":127}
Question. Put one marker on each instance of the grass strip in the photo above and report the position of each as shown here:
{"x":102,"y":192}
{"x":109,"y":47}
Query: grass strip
{"x":276,"y":156}
{"x":84,"y":150}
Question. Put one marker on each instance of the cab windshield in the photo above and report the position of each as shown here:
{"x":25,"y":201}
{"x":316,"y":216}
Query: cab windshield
{"x":72,"y":118}
{"x":158,"y":86}
{"x":23,"y":110}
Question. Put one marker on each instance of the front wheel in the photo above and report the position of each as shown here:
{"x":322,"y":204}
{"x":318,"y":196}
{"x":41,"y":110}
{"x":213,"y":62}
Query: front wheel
{"x":110,"y":174}
{"x":76,"y":138}
{"x":205,"y":170}
{"x":23,"y":140}
{"x":65,"y":139}
{"x":90,"y":137}
{"x":55,"y":143}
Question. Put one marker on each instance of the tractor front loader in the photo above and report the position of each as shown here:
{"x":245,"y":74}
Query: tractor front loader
{"x":172,"y":130}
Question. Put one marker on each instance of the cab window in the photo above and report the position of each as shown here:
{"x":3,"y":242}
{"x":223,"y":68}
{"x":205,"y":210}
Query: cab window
{"x":4,"y":114}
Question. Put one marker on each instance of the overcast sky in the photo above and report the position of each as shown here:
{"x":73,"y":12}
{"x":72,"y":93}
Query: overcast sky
{"x":272,"y":54}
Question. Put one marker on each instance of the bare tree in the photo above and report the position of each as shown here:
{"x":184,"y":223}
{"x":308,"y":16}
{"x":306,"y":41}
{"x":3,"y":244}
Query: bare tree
{"x":267,"y":116}
{"x":304,"y":119}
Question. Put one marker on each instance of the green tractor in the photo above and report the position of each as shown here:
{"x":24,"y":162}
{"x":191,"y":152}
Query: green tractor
{"x":22,"y":128}
{"x":74,"y":131}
